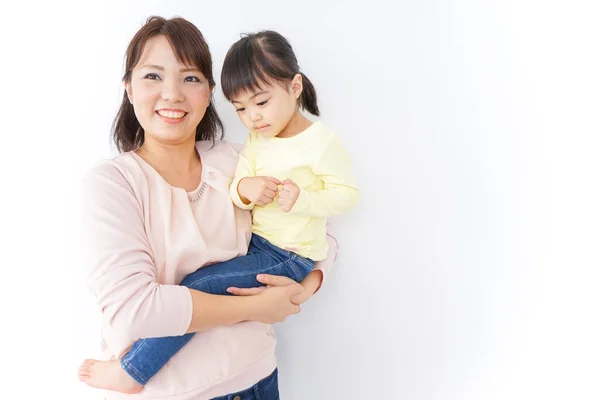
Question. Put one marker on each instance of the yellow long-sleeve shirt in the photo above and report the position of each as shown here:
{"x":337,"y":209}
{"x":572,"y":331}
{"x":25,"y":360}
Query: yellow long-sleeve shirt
{"x":318,"y":163}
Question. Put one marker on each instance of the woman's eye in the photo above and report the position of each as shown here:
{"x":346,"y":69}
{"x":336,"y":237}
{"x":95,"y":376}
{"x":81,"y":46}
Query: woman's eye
{"x":153,"y":77}
{"x":192,"y":79}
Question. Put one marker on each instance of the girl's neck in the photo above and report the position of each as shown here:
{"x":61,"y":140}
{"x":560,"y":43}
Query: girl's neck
{"x":178,"y":164}
{"x":297,"y":124}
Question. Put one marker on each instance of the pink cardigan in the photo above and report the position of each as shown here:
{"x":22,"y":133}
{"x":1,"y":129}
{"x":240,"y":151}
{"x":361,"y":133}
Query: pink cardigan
{"x":142,"y":237}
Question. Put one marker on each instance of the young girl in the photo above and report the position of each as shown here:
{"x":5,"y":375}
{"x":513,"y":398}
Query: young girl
{"x":292,"y":174}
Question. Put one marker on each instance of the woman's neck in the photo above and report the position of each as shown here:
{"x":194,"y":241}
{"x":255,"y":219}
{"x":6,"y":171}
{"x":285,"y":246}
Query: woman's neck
{"x":178,"y":164}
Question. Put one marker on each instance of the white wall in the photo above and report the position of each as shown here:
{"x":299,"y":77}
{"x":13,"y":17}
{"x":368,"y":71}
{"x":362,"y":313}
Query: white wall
{"x":470,"y":269}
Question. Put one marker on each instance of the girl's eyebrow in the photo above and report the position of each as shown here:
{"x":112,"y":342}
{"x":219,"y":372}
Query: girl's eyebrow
{"x":251,"y":97}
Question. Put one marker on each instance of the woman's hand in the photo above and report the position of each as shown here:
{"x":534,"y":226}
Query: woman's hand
{"x":273,"y":302}
{"x":310,"y":284}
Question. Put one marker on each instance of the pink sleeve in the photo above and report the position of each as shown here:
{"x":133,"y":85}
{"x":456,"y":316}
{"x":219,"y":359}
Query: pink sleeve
{"x":327,"y":264}
{"x":122,"y":276}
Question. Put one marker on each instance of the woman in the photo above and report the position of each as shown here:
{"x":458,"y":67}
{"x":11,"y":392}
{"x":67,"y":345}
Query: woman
{"x":160,"y":210}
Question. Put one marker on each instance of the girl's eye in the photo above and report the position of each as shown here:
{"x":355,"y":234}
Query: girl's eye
{"x":240,"y":109}
{"x":152,"y":76}
{"x":262,"y":103}
{"x":192,"y":79}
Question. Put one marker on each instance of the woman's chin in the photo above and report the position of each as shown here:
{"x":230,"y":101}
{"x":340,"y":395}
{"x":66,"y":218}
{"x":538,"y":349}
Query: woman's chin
{"x":172,"y":136}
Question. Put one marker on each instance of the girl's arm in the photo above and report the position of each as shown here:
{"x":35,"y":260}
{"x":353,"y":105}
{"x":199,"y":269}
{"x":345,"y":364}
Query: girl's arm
{"x":340,"y":192}
{"x":124,"y":280}
{"x":243,"y":169}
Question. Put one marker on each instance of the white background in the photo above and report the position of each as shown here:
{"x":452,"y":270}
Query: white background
{"x":470,"y":268}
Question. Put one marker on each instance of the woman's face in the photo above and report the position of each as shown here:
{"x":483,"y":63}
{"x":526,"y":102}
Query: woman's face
{"x":169,"y":98}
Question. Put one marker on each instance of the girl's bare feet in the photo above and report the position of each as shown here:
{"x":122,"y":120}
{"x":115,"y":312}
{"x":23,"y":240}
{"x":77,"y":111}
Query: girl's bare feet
{"x":108,"y":375}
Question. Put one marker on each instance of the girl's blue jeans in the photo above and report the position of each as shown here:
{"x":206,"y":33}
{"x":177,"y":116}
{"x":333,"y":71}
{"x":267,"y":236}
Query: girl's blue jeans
{"x":148,"y":356}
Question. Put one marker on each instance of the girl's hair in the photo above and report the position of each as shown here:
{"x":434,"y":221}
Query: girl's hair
{"x":190,"y":48}
{"x":258,"y":58}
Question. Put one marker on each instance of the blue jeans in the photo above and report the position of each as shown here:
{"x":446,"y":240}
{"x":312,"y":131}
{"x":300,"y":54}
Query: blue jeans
{"x":265,"y":389}
{"x":147,"y":356}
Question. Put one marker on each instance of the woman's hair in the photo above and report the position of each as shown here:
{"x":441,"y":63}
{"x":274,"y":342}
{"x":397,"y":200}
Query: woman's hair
{"x":190,"y":48}
{"x":259,"y":58}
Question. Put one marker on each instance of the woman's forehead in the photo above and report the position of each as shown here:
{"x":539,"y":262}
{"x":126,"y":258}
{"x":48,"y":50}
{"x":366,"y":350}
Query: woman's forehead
{"x":158,"y":52}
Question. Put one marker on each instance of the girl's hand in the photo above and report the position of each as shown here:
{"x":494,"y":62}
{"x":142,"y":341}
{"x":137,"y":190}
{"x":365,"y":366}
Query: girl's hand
{"x":260,"y":190}
{"x":288,"y":195}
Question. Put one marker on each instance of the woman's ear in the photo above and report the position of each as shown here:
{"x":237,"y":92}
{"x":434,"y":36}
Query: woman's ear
{"x":128,"y":91}
{"x":296,"y":85}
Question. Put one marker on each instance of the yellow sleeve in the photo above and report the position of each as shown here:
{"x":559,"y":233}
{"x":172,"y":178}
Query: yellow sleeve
{"x":339,"y":194}
{"x":244,"y":168}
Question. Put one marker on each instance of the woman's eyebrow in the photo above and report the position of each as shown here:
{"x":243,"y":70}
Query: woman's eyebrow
{"x":158,"y":67}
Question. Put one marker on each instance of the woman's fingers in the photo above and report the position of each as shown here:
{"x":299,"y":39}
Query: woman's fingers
{"x":246,"y":291}
{"x":276,"y":280}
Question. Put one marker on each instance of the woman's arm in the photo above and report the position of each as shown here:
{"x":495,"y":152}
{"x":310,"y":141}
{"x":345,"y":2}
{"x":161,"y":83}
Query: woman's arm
{"x":325,"y":266}
{"x":269,"y":306}
{"x":123,"y":278}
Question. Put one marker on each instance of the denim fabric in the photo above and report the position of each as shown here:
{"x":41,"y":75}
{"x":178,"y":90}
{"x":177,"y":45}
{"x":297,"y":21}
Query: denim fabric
{"x":265,"y":389}
{"x":147,"y":356}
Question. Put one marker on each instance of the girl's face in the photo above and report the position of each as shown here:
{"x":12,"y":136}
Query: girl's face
{"x":268,"y":110}
{"x":169,"y":98}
